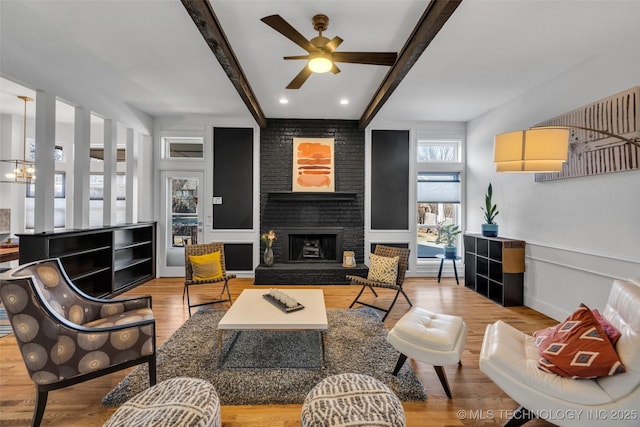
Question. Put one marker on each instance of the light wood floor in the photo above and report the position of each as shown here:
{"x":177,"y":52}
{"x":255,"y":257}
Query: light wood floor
{"x":476,"y":400}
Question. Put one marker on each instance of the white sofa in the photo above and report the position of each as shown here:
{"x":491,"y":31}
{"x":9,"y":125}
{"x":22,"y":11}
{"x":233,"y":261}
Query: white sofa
{"x":510,"y":359}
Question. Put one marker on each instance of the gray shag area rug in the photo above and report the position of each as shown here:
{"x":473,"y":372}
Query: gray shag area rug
{"x":356,"y":343}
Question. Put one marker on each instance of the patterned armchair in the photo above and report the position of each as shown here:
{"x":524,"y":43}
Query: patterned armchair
{"x":66,"y":336}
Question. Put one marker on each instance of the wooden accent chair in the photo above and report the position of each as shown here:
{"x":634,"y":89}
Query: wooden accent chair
{"x":67,"y":337}
{"x":403,"y":264}
{"x":206,"y":249}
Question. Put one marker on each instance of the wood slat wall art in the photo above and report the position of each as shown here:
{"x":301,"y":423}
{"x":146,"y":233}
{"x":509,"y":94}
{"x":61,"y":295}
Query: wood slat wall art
{"x":592,"y":153}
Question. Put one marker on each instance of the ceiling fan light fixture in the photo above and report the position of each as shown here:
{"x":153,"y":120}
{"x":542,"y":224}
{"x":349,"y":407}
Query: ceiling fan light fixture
{"x":320,"y":63}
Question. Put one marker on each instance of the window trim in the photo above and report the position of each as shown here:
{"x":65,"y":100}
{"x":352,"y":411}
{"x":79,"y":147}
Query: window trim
{"x":441,"y":167}
{"x":167,"y":141}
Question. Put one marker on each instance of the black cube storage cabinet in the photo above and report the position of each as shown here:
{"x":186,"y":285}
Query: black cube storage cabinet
{"x":102,"y":262}
{"x":494,"y":268}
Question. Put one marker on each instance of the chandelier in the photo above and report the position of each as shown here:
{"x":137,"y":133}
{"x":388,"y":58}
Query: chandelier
{"x":21,"y":170}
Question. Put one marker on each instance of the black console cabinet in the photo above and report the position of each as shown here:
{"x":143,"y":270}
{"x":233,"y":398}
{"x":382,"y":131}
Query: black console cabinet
{"x":102,"y":262}
{"x":494,"y":267}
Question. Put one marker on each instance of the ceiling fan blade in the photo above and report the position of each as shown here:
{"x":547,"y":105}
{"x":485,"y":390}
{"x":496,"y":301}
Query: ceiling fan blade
{"x":332,"y":45}
{"x":334,"y":68}
{"x":283,"y":27}
{"x":371,"y":58}
{"x":300,"y":78}
{"x":297,"y":57}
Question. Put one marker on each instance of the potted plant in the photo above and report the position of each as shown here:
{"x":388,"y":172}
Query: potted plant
{"x":489,"y":228}
{"x":447,"y":234}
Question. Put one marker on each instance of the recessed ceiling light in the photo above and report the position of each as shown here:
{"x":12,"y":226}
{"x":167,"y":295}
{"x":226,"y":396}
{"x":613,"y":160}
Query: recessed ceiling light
{"x":344,"y":101}
{"x":284,"y":101}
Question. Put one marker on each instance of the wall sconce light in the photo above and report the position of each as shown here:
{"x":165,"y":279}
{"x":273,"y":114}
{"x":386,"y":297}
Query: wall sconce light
{"x":538,"y":149}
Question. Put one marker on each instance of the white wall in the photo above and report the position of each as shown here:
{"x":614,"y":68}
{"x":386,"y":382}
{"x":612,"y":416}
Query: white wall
{"x":581,"y":233}
{"x":171,"y":260}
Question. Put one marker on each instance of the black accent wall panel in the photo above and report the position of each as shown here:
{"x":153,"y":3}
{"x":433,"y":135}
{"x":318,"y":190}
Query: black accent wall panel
{"x":233,"y":178}
{"x":389,"y":179}
{"x":238,"y":256}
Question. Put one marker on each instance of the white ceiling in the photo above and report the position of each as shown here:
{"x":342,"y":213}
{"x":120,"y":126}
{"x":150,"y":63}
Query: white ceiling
{"x":150,"y":55}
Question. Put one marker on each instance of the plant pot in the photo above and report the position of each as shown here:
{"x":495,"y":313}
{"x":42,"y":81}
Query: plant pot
{"x":490,"y":230}
{"x":450,"y":252}
{"x":268,"y":257}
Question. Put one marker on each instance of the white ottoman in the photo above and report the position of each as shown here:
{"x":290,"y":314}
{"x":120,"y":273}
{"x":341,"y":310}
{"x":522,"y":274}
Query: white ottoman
{"x":175,"y":402}
{"x":437,"y":339}
{"x":352,"y":400}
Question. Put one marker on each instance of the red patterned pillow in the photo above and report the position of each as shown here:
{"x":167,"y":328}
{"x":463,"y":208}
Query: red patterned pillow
{"x":578,"y":348}
{"x":544,"y":333}
{"x":609,"y":329}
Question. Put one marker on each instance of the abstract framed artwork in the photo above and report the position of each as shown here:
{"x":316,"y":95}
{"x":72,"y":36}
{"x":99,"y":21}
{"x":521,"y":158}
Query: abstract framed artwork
{"x":313,"y":165}
{"x":592,"y":153}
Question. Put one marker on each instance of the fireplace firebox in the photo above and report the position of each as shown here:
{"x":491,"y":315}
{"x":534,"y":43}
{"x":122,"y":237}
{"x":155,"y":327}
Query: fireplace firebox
{"x":311,"y":245}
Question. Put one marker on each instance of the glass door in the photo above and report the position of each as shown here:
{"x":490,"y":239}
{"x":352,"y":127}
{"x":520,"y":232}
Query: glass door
{"x":182,"y":218}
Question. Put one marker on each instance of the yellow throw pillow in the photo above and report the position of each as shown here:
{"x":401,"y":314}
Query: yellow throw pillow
{"x":383,"y":269}
{"x":206,"y":267}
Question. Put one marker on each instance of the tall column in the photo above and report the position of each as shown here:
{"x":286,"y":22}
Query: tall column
{"x":132,"y":177}
{"x":110,"y":171}
{"x":81,"y":167}
{"x":11,"y":195}
{"x":45,"y":161}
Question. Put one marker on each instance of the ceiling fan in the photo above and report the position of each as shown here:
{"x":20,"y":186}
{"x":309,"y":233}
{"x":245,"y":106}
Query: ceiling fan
{"x":322,"y":55}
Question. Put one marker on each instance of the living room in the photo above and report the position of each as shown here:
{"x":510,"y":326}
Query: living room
{"x":581,"y":233}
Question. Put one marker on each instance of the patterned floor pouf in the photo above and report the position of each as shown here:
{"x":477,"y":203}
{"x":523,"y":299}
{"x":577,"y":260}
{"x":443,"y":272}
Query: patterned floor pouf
{"x":352,"y":400}
{"x":175,"y":402}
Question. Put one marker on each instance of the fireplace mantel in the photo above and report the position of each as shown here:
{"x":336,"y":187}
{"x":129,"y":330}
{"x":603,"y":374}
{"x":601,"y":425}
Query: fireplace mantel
{"x":290,"y":196}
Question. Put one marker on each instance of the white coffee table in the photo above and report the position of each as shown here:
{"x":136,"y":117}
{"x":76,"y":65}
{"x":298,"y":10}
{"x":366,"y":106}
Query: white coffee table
{"x":251,"y":311}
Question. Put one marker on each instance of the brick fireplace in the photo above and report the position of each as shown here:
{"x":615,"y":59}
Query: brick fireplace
{"x":327,"y":222}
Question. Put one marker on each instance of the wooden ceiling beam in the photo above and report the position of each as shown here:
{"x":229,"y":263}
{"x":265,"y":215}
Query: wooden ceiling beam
{"x":205,"y":19}
{"x":432,"y":20}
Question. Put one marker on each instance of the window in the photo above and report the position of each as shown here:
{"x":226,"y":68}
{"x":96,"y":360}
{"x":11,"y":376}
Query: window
{"x":183,"y":147}
{"x":58,"y":153}
{"x":439,"y":187}
{"x":439,"y":169}
{"x":184,"y":211}
{"x":438,"y":151}
{"x":96,"y":198}
{"x":438,"y":197}
{"x":59,"y":202}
